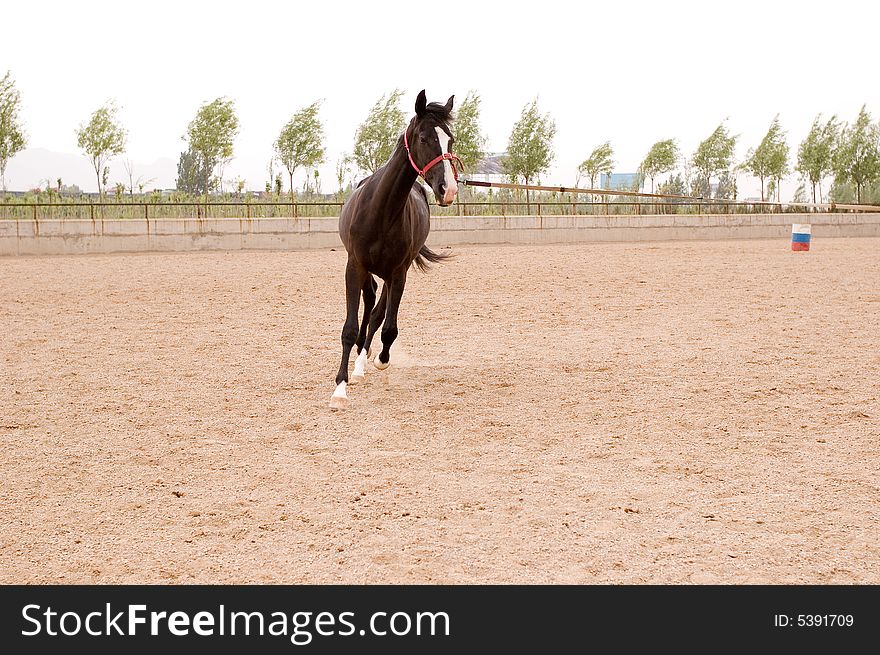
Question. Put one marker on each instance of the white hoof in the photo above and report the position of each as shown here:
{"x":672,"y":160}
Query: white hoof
{"x":378,"y":364}
{"x":339,"y":399}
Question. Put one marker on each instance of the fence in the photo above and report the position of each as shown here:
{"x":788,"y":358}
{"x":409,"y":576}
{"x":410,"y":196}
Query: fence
{"x":250,"y":210}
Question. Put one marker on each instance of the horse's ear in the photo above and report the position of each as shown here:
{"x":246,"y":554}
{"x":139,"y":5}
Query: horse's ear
{"x":449,"y":103}
{"x":421,"y":103}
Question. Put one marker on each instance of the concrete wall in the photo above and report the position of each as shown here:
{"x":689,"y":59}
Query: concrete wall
{"x":53,"y":237}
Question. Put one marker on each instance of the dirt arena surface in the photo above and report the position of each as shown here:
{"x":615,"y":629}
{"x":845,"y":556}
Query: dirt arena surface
{"x":689,"y":412}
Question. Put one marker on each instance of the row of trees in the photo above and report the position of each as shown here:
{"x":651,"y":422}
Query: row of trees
{"x":849,"y":152}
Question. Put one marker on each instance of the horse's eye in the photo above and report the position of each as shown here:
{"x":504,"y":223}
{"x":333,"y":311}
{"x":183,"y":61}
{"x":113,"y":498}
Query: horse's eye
{"x":423,"y":139}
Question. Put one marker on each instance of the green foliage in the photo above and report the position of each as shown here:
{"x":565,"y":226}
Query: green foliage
{"x":300,"y":142}
{"x":377,"y":136}
{"x":530,"y":147}
{"x":845,"y":192}
{"x":770,"y":159}
{"x":816,"y":152}
{"x":101,"y":138}
{"x":601,"y":160}
{"x":343,"y":168}
{"x":211,"y":135}
{"x":470,"y":143}
{"x":661,"y":158}
{"x":191,"y":173}
{"x":726,"y":189}
{"x":12,"y":136}
{"x":857,"y":156}
{"x":675,"y":186}
{"x":713,"y":157}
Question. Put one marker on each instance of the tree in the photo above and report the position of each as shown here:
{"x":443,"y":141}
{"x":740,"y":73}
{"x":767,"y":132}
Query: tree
{"x":129,"y":172}
{"x":601,"y":160}
{"x":470,"y":143}
{"x":191,"y":173}
{"x":300,"y":141}
{"x":101,"y":138}
{"x":770,"y":158}
{"x":713,"y":157}
{"x":211,"y":135}
{"x":661,"y":158}
{"x":530,"y":147}
{"x":857,"y":156}
{"x":675,"y":186}
{"x":377,"y":136}
{"x":343,"y":167}
{"x":815,"y":154}
{"x":12,"y":136}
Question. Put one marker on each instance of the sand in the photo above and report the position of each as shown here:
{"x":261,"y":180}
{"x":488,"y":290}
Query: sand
{"x":689,"y":412}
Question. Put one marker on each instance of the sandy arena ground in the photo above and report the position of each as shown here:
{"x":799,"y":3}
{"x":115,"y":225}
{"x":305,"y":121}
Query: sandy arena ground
{"x":665,"y":412}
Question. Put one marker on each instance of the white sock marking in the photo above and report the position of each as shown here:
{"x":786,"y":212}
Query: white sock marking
{"x":340,"y":390}
{"x":360,"y":364}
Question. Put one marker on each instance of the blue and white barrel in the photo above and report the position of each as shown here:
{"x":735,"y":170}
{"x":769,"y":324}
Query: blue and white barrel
{"x":800,"y":236}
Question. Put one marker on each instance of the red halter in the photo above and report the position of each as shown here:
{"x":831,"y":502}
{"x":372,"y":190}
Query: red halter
{"x":446,"y":155}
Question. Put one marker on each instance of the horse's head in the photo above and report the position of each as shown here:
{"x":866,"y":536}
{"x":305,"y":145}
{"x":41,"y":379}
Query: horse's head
{"x":428,"y":141}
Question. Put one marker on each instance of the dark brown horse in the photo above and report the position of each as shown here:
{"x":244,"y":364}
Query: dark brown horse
{"x":384,"y":226}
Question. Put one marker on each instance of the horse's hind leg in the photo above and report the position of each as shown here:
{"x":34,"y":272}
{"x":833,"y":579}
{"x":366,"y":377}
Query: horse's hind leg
{"x":355,"y":276}
{"x":376,"y":318}
{"x":369,"y":292}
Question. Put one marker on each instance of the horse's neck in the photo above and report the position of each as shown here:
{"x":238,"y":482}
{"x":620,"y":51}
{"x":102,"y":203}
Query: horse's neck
{"x":395,"y":185}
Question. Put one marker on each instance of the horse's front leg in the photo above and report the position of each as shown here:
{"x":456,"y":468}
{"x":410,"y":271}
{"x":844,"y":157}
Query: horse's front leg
{"x":355,"y":276}
{"x":369,"y":301}
{"x":389,"y":327}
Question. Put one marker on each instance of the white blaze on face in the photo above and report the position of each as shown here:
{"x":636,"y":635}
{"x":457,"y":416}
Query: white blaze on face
{"x":449,"y":178}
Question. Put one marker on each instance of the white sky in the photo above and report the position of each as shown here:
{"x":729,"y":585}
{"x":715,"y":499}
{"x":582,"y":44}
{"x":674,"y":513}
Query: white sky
{"x":629,"y":72}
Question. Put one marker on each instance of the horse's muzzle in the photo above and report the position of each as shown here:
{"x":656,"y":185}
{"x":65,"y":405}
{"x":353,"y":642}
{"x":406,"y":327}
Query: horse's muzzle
{"x":449,"y":194}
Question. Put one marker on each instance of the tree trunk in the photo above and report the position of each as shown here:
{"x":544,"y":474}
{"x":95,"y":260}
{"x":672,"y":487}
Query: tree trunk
{"x":762,"y":190}
{"x":291,"y":184}
{"x":528,"y":200}
{"x":858,"y":193}
{"x":814,"y":192}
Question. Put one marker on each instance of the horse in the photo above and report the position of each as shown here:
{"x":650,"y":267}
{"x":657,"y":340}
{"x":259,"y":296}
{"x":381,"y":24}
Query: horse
{"x":384,"y":225}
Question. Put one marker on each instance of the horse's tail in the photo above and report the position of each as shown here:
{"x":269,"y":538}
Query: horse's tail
{"x":427,"y":255}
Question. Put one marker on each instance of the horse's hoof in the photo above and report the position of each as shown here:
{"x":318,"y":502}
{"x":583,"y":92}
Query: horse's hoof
{"x":338,"y":402}
{"x":339,"y":399}
{"x":356,"y":377}
{"x":378,"y":364}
